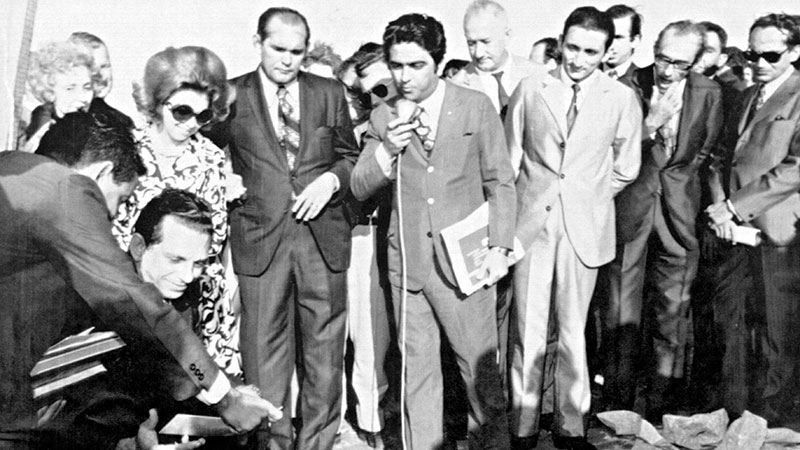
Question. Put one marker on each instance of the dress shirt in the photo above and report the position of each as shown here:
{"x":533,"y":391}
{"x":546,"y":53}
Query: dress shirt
{"x":773,"y":85}
{"x":433,"y":106}
{"x":293,"y":96}
{"x":567,"y":91}
{"x":490,"y":85}
{"x":271,"y":96}
{"x":620,"y":69}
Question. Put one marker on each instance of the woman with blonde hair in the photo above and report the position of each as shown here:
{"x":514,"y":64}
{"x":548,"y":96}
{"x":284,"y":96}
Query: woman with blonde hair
{"x":182,"y":90}
{"x":60,"y":78}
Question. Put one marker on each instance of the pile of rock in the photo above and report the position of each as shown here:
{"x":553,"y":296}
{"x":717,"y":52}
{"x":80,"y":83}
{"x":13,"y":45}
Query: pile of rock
{"x":701,"y":432}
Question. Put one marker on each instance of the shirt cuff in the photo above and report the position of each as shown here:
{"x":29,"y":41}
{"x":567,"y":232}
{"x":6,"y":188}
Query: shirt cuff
{"x":732,"y":209}
{"x":336,"y":184}
{"x":217,"y":391}
{"x":385,"y":160}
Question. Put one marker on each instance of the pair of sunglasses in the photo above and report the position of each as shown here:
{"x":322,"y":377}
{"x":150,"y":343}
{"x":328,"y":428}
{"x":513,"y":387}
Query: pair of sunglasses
{"x":182,"y":113}
{"x":770,"y":57}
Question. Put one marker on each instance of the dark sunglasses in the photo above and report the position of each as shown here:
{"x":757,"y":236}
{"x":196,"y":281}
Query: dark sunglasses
{"x":182,"y":113}
{"x":770,"y":57}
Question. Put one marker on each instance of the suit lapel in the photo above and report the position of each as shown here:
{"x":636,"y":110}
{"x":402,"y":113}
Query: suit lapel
{"x":593,"y":105}
{"x":554,"y":100}
{"x":448,"y":126}
{"x":775,"y":103}
{"x":307,"y":109}
{"x":692,"y":105}
{"x":254,"y":92}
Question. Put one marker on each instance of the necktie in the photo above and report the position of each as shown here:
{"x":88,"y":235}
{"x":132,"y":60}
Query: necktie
{"x":758,"y":102}
{"x":502,"y":95}
{"x":667,"y":134}
{"x":289,"y":126}
{"x":572,"y":112}
{"x":424,"y":130}
{"x":613,"y":74}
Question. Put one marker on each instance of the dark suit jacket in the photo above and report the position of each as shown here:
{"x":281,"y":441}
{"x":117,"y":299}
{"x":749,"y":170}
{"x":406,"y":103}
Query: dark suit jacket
{"x":764,"y":165}
{"x":327,"y":144}
{"x":470,"y":165}
{"x":56,"y":248}
{"x":678,"y":179}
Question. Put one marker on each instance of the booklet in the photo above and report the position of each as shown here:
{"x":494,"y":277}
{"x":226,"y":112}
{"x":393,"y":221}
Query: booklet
{"x":467,"y":244}
{"x":200,"y":426}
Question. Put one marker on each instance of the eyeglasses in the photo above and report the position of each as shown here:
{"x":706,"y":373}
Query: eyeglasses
{"x":662,"y":62}
{"x":770,"y":57}
{"x":182,"y":113}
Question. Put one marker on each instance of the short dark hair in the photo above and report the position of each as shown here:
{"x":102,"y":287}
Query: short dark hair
{"x":367,"y":55}
{"x":287,"y":15}
{"x":419,"y":29}
{"x":455,"y":64}
{"x":84,"y":37}
{"x":551,"y":50}
{"x":83,"y":138}
{"x":621,"y":11}
{"x":591,"y":18}
{"x":184,"y":206}
{"x":788,"y":24}
{"x":711,"y":27}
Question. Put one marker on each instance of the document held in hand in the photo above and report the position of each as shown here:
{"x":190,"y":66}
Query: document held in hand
{"x":467,"y":244}
{"x":200,"y":426}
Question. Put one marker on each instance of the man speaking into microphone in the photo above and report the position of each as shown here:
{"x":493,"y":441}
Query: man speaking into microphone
{"x":446,"y":146}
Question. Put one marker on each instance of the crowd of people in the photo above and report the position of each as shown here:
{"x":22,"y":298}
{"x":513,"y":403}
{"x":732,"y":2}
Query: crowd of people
{"x":641,"y":248}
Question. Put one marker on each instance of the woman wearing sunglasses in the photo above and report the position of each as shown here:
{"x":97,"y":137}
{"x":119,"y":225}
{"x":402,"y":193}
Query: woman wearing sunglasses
{"x":182,"y":90}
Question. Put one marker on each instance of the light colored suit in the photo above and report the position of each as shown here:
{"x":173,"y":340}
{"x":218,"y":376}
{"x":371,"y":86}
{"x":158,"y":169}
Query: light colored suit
{"x":565,"y":220}
{"x":515,"y":70}
{"x":467,"y":166}
{"x":764,"y":188}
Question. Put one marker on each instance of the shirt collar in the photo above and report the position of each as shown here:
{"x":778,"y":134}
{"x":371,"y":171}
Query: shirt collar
{"x":271,"y":88}
{"x":433,"y":104}
{"x":772,"y":86}
{"x":567,"y":81}
{"x":621,"y":69}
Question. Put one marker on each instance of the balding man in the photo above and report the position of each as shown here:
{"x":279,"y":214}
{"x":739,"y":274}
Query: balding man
{"x":656,"y":214}
{"x":493,"y":70}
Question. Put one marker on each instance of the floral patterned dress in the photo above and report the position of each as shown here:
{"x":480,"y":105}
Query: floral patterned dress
{"x":199,"y":170}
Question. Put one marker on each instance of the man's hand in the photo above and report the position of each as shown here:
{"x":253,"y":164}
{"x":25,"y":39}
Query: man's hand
{"x":724,"y":230}
{"x":398,"y":135}
{"x":494,"y":267}
{"x":147,"y":438}
{"x":662,"y":109}
{"x":242,"y":409}
{"x":719,"y":213}
{"x":314,"y":197}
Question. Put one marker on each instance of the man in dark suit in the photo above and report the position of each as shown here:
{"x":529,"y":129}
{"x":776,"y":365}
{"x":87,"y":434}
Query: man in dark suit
{"x":656,"y":213}
{"x":763,"y":191}
{"x":627,"y":37}
{"x":444,"y":145}
{"x":291,"y":140}
{"x":58,"y":259}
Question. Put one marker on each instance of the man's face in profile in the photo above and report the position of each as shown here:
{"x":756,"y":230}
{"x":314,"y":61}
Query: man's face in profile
{"x":176,"y":260}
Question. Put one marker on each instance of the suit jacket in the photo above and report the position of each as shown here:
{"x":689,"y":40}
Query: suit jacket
{"x":327,"y":144}
{"x":517,"y":69}
{"x":765,"y":163}
{"x":583,"y":170}
{"x":676,"y":179}
{"x":467,"y":166}
{"x":57,"y":260}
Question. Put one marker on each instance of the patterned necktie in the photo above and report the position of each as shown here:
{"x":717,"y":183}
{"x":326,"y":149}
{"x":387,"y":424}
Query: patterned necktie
{"x":758,"y":102}
{"x":572,"y":112}
{"x":424,"y":131}
{"x":613,"y":74}
{"x":502,"y":95}
{"x":289,"y":126}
